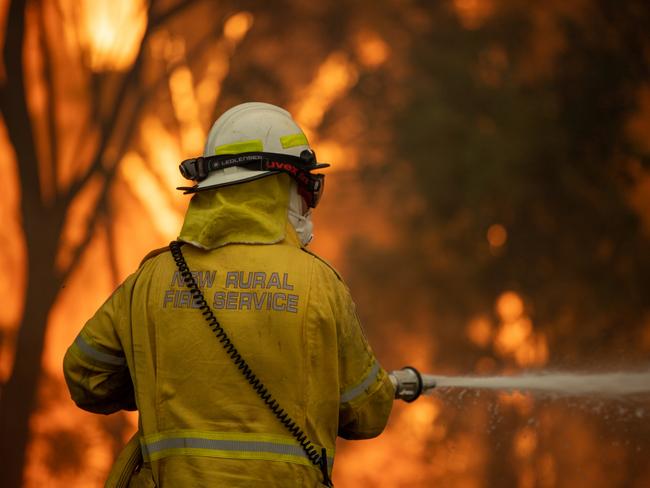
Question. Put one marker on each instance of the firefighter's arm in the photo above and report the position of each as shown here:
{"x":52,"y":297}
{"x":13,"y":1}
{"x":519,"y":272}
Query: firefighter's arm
{"x":366,"y":391}
{"x":95,"y":367}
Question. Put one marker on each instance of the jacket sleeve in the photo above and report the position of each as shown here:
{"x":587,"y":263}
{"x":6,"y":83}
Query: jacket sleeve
{"x":95,"y":366}
{"x":366,"y":391}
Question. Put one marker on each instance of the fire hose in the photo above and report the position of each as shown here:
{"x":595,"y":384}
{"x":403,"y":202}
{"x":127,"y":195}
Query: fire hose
{"x":409,"y":383}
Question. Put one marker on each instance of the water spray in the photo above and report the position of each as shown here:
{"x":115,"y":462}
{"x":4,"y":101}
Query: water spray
{"x":409,"y":383}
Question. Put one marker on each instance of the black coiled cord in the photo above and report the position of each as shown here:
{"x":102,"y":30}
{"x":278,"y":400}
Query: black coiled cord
{"x":319,"y":460}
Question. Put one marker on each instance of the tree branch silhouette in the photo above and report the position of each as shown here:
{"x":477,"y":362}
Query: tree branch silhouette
{"x":48,"y":76}
{"x":19,"y":391}
{"x":14,"y":108}
{"x":158,"y":19}
{"x":129,"y":82}
{"x":116,"y":133}
{"x":43,"y":282}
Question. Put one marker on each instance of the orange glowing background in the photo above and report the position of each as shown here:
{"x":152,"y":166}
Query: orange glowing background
{"x":481,"y":266}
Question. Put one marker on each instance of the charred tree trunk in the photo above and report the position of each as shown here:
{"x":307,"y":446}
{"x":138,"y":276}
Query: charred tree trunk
{"x":19,"y":393}
{"x":43,"y":222}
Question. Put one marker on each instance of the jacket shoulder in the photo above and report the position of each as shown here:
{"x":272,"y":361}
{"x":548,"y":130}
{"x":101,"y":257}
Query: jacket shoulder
{"x":154,"y":253}
{"x":323,"y":261}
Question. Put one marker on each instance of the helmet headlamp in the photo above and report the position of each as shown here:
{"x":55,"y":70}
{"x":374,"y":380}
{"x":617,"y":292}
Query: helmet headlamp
{"x":310,"y":185}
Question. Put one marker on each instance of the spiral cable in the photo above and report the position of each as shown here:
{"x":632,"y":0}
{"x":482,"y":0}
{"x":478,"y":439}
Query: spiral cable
{"x":319,"y":460}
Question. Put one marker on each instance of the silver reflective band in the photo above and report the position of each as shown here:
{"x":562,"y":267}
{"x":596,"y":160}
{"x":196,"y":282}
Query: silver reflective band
{"x":357,"y":390}
{"x":224,"y":445}
{"x":100,"y":356}
{"x":150,"y":449}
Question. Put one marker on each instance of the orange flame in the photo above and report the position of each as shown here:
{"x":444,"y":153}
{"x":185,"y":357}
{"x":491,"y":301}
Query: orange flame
{"x":109,"y":31}
{"x":516,"y":337}
{"x":237,"y":25}
{"x":145,"y":187}
{"x":473,"y":13}
{"x":186,"y":109}
{"x":371,"y":49}
{"x":497,"y":235}
{"x":336,"y":75}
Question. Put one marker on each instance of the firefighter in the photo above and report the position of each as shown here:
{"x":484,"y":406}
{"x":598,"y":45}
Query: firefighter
{"x":301,"y":373}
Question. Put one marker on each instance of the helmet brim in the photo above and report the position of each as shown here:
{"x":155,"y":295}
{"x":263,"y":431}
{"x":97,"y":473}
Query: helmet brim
{"x":213,"y":182}
{"x":318,"y":166}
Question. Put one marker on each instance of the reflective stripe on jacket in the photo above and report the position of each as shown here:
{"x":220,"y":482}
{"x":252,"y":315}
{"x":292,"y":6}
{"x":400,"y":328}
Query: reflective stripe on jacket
{"x":292,"y":319}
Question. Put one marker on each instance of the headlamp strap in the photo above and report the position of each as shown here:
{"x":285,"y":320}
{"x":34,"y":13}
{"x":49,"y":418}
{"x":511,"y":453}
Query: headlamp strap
{"x":198,"y":169}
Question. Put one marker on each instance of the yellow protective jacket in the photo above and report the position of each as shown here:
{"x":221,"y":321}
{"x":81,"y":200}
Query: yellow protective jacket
{"x":289,"y":314}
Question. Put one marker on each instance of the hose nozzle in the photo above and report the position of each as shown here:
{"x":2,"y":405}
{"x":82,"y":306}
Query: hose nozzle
{"x":410,"y":384}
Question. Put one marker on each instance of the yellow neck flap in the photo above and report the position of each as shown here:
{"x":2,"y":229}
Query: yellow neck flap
{"x":254,"y":212}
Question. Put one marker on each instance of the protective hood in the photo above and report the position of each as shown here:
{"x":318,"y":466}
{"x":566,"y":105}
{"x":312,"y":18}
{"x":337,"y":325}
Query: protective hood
{"x":248,"y":213}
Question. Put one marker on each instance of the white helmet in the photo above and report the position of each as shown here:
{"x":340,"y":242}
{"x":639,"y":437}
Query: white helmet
{"x":262,"y":131}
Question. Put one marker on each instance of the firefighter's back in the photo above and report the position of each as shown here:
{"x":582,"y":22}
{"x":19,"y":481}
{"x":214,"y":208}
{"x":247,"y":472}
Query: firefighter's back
{"x":199,"y":416}
{"x":287,"y":312}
